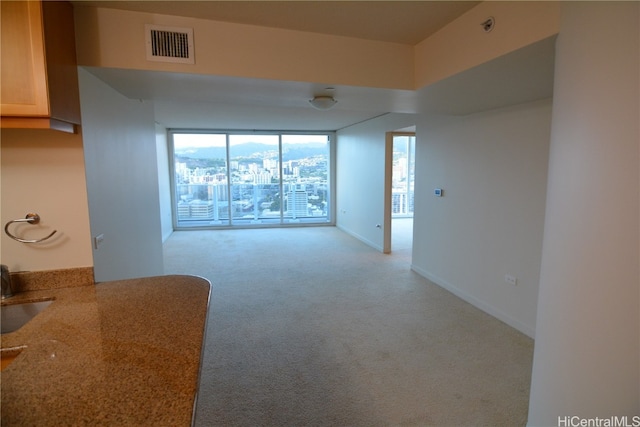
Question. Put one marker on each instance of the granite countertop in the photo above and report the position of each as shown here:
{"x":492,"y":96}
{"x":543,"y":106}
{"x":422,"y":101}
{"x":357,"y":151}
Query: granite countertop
{"x":116,"y":353}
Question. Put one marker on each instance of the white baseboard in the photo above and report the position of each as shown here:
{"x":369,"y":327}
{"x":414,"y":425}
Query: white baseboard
{"x":516,"y":324}
{"x":359,"y":237}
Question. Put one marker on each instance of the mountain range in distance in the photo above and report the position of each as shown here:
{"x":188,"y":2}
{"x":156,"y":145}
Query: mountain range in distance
{"x":255,"y":149}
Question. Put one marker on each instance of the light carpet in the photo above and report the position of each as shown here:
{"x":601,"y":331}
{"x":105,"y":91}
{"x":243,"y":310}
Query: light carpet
{"x":311,"y":327}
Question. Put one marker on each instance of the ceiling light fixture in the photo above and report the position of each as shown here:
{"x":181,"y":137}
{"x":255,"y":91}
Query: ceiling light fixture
{"x":323,"y":102}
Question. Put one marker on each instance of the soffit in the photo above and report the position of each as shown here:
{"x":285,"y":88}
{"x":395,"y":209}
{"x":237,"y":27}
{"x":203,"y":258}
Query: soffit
{"x":406,"y":22}
{"x":197,"y":101}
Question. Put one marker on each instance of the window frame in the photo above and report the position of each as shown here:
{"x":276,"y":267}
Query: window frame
{"x":240,"y":224}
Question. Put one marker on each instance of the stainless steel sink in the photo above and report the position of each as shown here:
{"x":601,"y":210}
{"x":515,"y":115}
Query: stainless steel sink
{"x":15,"y":316}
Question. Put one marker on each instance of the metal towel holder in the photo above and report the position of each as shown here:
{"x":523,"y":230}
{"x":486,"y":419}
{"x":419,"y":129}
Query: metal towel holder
{"x":31,"y":218}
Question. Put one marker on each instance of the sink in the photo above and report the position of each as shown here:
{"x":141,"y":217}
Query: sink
{"x":15,"y":316}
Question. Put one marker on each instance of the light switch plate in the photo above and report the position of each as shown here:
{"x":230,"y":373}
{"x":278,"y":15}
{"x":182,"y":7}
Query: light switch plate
{"x":97,"y":241}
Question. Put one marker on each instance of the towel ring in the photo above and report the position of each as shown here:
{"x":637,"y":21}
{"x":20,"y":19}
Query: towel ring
{"x":31,"y":218}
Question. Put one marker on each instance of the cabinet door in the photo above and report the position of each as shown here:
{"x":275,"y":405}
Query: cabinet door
{"x":24,"y":82}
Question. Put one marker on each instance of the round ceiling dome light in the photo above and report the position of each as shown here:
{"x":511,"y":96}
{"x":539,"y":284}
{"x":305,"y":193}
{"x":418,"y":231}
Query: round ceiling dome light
{"x":323,"y":102}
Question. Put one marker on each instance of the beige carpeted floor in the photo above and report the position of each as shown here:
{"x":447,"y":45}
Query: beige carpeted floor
{"x":310,"y":327}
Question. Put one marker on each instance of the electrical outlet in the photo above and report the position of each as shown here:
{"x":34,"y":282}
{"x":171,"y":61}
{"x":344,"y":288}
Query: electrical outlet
{"x":97,"y":241}
{"x":512,"y":280}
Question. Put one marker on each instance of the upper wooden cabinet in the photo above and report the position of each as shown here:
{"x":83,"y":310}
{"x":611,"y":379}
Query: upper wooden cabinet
{"x":39,"y":75}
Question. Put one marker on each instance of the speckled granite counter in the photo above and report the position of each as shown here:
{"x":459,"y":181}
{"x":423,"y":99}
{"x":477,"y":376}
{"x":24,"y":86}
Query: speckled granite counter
{"x":117,"y":353}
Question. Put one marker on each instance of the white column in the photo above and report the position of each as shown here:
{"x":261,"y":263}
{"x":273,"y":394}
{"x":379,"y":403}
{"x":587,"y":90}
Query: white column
{"x":587,"y":349}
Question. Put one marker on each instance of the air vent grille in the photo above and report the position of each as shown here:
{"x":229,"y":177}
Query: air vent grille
{"x":169,"y":44}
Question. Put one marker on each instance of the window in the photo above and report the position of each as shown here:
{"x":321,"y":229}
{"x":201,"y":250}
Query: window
{"x":234,"y":179}
{"x":404,"y":148}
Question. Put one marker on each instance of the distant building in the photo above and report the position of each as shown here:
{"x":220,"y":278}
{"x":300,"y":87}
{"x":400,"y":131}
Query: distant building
{"x":297,"y":203}
{"x":402,"y":203}
{"x":262,"y":178}
{"x":269,"y":164}
{"x":201,"y":209}
{"x":184,"y":211}
{"x":195,"y":209}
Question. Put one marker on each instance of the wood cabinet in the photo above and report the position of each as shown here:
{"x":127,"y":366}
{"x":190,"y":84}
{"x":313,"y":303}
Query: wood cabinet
{"x":39,"y":75}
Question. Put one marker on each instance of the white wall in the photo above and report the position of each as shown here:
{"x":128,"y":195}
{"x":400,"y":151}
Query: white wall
{"x":588,"y":334}
{"x":360,"y":172}
{"x":43,"y":172}
{"x":463,"y":44}
{"x":492,"y":167}
{"x":122,"y":181}
{"x":164,"y":183}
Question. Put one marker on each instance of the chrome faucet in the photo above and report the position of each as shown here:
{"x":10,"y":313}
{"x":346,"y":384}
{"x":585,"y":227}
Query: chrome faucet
{"x":7,"y":290}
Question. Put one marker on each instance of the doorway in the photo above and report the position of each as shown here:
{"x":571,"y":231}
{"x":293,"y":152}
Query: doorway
{"x":399,"y":191}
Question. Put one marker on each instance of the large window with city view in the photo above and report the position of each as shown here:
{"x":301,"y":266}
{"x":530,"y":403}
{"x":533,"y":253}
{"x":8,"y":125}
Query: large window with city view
{"x":231,"y":179}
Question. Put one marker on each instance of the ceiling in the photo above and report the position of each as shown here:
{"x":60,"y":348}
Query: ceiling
{"x":220,"y":102}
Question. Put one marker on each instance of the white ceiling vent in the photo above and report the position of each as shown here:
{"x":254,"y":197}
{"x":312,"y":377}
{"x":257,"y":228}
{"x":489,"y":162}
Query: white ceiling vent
{"x":169,"y":44}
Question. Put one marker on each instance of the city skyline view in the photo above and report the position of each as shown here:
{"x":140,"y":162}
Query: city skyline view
{"x":225,"y":179}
